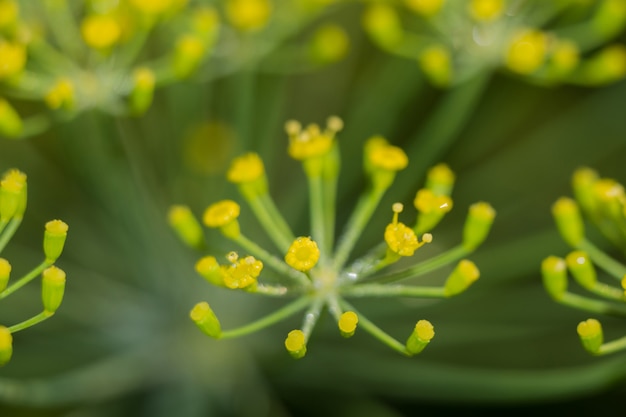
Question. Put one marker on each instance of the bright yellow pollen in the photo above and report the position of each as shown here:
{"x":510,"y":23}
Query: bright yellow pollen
{"x":486,"y":10}
{"x":221,"y":213}
{"x":527,"y":51}
{"x":13,"y":181}
{"x":425,"y":7}
{"x":424,"y":330}
{"x":348,"y":321}
{"x":57,"y":227}
{"x":303,"y":254}
{"x":589,"y":328}
{"x":54,"y":275}
{"x":295,"y":341}
{"x":243,"y":273}
{"x":308,"y":143}
{"x":248,"y":15}
{"x":401,"y":239}
{"x":100,"y":31}
{"x":383,"y":156}
{"x":246,"y":168}
{"x":61,"y":94}
{"x":12,"y":59}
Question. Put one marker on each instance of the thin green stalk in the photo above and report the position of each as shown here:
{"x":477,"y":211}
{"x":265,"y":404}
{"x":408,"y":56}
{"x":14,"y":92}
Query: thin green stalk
{"x":610,"y":265}
{"x":25,"y":279}
{"x":31,"y":321}
{"x":329,"y":198}
{"x":268,"y":204}
{"x":281,"y":314}
{"x":360,"y":216}
{"x":311,"y":317}
{"x":612,"y":347}
{"x":427,"y":266}
{"x":607,"y":291}
{"x":63,"y":26}
{"x":318,"y":227}
{"x":382,"y":290}
{"x":270,"y":290}
{"x":9,"y":231}
{"x":3,"y":224}
{"x":274,"y":226}
{"x":377,"y":332}
{"x":275,"y":263}
{"x":596,"y":306}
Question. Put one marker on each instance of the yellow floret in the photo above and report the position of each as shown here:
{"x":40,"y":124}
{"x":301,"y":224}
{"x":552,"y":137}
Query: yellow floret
{"x":9,"y":12}
{"x":248,"y":15}
{"x":527,"y":51}
{"x":424,"y":330}
{"x":13,"y":181}
{"x":221,"y":213}
{"x":348,"y":322}
{"x":382,"y":155}
{"x":427,"y":202}
{"x":246,"y":168}
{"x":303,"y":254}
{"x":296,"y":343}
{"x":309,"y":143}
{"x":425,"y":7}
{"x":57,"y":227}
{"x":329,"y":43}
{"x":61,"y":94}
{"x":100,"y":31}
{"x":436,"y":62}
{"x":486,"y":10}
{"x":243,"y":273}
{"x":400,"y":238}
{"x":12,"y":59}
{"x":152,"y":7}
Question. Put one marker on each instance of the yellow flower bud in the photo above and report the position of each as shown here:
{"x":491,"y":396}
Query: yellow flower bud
{"x":100,"y":31}
{"x":582,"y":269}
{"x":401,"y":240}
{"x":296,"y":344}
{"x":54,"y":239}
{"x":569,"y":221}
{"x":10,"y":121}
{"x":248,"y":15}
{"x":382,"y":23}
{"x":186,"y":226}
{"x":461,"y":278}
{"x":606,"y":66}
{"x":440,"y":179}
{"x":382,"y":161}
{"x":188,"y":53}
{"x":427,"y":8}
{"x":143,"y":90}
{"x":210,"y":269}
{"x":206,"y":320}
{"x":329,"y":44}
{"x":223,"y":215}
{"x":12,"y":194}
{"x":582,"y":184}
{"x":486,"y":10}
{"x":303,"y":254}
{"x":477,"y":225}
{"x":61,"y":95}
{"x":12,"y":59}
{"x":527,"y":51}
{"x":52,"y":288}
{"x":554,"y":274}
{"x":420,"y":338}
{"x":347,"y":323}
{"x":436,"y":62}
{"x":591,"y":336}
{"x":6,"y":345}
{"x":9,"y":13}
{"x":5,"y":273}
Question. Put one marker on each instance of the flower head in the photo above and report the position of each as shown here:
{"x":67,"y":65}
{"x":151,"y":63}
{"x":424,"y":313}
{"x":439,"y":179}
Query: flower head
{"x":311,"y":142}
{"x":246,"y":168}
{"x":303,"y":254}
{"x":221,"y":214}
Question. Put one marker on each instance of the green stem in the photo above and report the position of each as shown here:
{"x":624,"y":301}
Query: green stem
{"x":31,"y":321}
{"x":274,"y":225}
{"x":603,"y":260}
{"x":318,"y":228}
{"x":268,"y":320}
{"x":311,"y":317}
{"x":377,"y":332}
{"x":359,"y":218}
{"x":25,"y":279}
{"x":63,"y":27}
{"x":9,"y":231}
{"x":275,"y":263}
{"x":427,"y":266}
{"x":612,"y":347}
{"x":607,"y":291}
{"x":382,"y":290}
{"x":270,"y":290}
{"x":588,"y":304}
{"x":329,"y":189}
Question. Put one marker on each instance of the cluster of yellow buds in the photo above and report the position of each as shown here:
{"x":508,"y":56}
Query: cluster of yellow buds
{"x":453,"y":41}
{"x":603,"y":202}
{"x":13,"y":196}
{"x":319,"y":270}
{"x":93,"y":53}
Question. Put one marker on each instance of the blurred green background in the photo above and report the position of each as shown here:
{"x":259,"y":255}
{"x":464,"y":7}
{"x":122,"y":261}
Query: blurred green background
{"x":122,"y":344}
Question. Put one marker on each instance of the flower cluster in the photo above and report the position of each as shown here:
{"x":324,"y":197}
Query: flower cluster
{"x":95,"y":53}
{"x":455,"y":40}
{"x":318,"y":270}
{"x":603,"y":202}
{"x":13,"y":196}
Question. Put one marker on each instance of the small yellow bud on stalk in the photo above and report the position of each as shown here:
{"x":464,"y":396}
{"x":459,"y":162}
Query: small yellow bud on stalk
{"x":248,"y":15}
{"x":347,"y":323}
{"x":13,"y":195}
{"x":6,"y":345}
{"x":61,"y":95}
{"x":486,"y":10}
{"x":5,"y":273}
{"x":426,"y":8}
{"x":382,"y":23}
{"x":582,"y":269}
{"x":188,"y":53}
{"x":420,"y":338}
{"x":303,"y":254}
{"x":143,"y":90}
{"x":100,"y":31}
{"x":329,"y":44}
{"x":436,"y":62}
{"x":477,"y":225}
{"x":223,"y":215}
{"x":554,"y":274}
{"x":527,"y":51}
{"x":382,"y":161}
{"x":569,"y":221}
{"x":591,"y":336}
{"x":583,"y":182}
{"x":248,"y":172}
{"x":12,"y":59}
{"x":52,"y":288}
{"x":440,"y":180}
{"x":461,"y":278}
{"x":10,"y":121}
{"x":210,"y":269}
{"x":206,"y":320}
{"x":54,"y":239}
{"x":296,"y":344}
{"x":186,"y":226}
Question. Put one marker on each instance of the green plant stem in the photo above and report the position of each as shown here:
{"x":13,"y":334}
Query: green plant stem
{"x":9,"y":231}
{"x":383,"y":290}
{"x":359,"y":218}
{"x":63,"y":27}
{"x":588,"y":304}
{"x":607,"y":291}
{"x":25,"y":279}
{"x":270,"y":290}
{"x":376,"y":331}
{"x":311,"y":317}
{"x":603,"y":260}
{"x":273,"y":223}
{"x":275,"y":263}
{"x":31,"y":321}
{"x":427,"y":266}
{"x":281,"y":314}
{"x":612,"y":347}
{"x":318,"y":227}
{"x":329,"y":188}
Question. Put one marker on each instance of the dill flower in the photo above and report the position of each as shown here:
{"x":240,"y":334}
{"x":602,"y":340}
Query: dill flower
{"x":100,"y":31}
{"x":12,"y":59}
{"x":319,"y":271}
